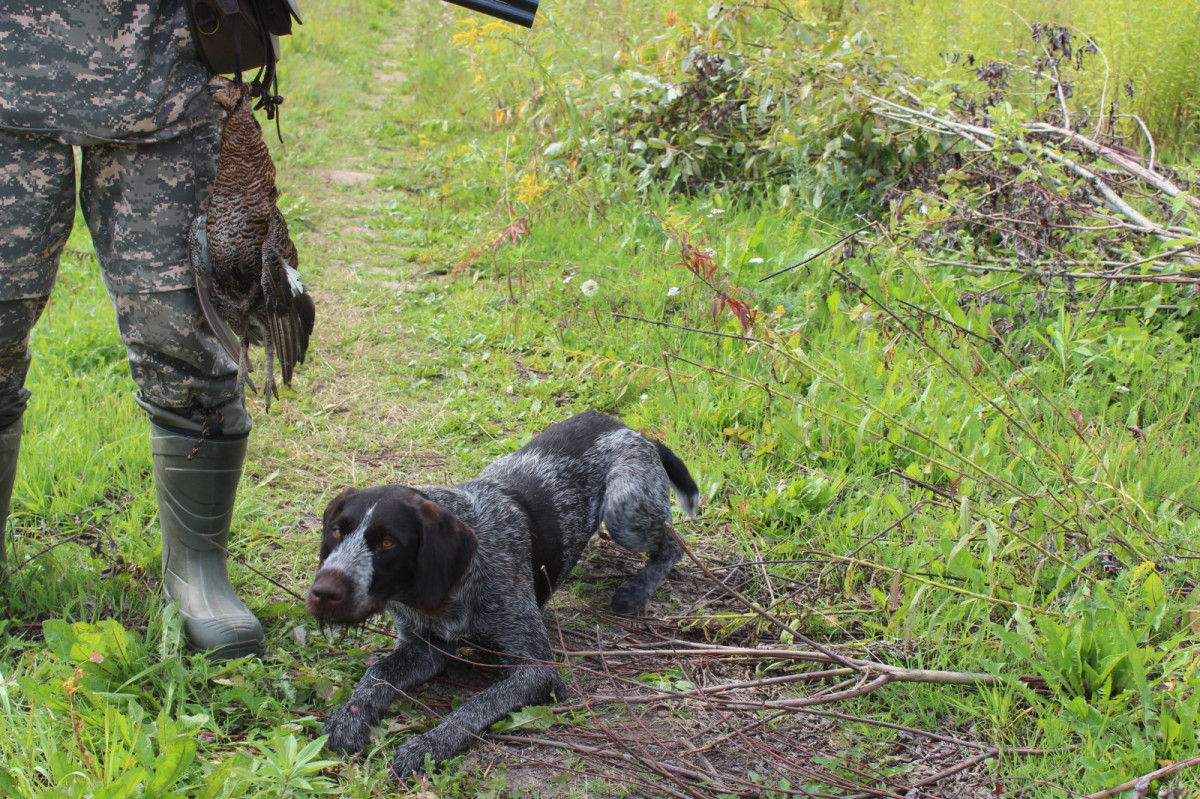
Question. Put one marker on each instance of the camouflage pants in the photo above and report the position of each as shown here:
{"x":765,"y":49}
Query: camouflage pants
{"x":138,"y":200}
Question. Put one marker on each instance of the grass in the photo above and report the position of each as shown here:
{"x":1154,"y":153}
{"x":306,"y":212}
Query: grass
{"x":911,"y":493}
{"x":1144,"y":68}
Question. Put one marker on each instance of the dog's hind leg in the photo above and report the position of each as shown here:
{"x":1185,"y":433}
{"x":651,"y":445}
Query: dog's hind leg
{"x":635,"y":592}
{"x":637,"y":514}
{"x":412,"y":663}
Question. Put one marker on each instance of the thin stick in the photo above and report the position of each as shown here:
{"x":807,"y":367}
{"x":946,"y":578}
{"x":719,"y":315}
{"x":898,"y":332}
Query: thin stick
{"x":936,"y":584}
{"x":759,"y":609}
{"x":816,"y":255}
{"x":718,"y":334}
{"x":4,"y":577}
{"x":606,"y":752}
{"x":760,"y":653}
{"x":1142,"y":784}
{"x":646,"y":758}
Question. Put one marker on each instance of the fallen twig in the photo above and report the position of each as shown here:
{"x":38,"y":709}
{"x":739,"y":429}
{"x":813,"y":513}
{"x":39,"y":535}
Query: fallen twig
{"x":758,"y":609}
{"x":817,"y":254}
{"x":1118,"y":160}
{"x":606,"y":752}
{"x":1141,"y":785}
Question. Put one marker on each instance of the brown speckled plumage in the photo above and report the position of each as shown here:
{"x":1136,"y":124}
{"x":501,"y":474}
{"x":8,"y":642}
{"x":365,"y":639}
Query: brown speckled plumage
{"x":243,"y":260}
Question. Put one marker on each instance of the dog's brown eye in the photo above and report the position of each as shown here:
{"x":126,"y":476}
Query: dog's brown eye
{"x":336,"y":533}
{"x":386,"y":543}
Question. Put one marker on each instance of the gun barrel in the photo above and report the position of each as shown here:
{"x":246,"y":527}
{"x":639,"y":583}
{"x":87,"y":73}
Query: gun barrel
{"x":522,"y":12}
{"x":525,"y":5}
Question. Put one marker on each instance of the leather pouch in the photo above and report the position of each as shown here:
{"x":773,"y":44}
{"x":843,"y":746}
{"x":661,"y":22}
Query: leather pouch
{"x":235,"y":36}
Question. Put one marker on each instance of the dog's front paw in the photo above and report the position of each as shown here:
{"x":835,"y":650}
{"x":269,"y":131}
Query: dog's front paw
{"x":348,"y":732}
{"x":410,"y":758}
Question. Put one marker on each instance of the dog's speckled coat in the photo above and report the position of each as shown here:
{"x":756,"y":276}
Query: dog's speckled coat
{"x":474,"y":563}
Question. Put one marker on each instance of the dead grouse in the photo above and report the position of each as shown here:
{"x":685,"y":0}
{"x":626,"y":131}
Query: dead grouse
{"x":243,"y":261}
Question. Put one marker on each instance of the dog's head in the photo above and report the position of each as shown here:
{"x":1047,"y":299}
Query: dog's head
{"x":383,"y":544}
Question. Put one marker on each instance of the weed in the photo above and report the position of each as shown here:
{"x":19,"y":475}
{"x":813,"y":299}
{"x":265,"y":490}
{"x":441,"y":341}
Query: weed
{"x":949,"y":469}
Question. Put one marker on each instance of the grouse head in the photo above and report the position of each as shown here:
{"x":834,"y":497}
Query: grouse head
{"x":228,"y":94}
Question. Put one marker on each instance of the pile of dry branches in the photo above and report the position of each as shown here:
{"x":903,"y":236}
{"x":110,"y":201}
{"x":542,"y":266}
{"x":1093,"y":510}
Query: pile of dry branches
{"x":1040,"y":199}
{"x":675,"y":705}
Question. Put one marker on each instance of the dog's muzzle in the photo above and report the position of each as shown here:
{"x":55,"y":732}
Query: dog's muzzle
{"x":328,"y":598}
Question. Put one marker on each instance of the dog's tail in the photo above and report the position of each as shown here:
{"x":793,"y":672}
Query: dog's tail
{"x":684,"y":486}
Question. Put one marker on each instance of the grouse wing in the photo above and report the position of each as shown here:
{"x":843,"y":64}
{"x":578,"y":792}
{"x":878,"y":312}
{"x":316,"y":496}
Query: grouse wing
{"x":289,"y":310}
{"x":201,"y":265}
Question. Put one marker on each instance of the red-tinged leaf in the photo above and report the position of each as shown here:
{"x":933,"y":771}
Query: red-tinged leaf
{"x":509,"y":234}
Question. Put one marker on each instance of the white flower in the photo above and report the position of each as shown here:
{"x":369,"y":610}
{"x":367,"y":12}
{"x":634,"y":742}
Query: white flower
{"x":671,"y":292}
{"x":709,"y":251}
{"x":567,"y":279}
{"x":644,"y":397}
{"x":589,"y":288}
{"x":756,"y":260}
{"x":715,"y":211}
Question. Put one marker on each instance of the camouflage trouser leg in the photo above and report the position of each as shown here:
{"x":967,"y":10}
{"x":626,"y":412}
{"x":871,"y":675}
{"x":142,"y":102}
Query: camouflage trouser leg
{"x":37,"y":208}
{"x":138,"y":201}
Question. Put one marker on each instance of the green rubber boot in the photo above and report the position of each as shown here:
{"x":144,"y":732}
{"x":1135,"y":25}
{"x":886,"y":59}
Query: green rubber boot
{"x":10,"y":445}
{"x":195,"y":507}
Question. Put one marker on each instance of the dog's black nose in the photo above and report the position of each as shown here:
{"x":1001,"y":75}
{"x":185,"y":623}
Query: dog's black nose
{"x":327,"y":592}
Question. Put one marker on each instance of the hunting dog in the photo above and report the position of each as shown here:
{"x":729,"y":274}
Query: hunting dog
{"x":474,"y":563}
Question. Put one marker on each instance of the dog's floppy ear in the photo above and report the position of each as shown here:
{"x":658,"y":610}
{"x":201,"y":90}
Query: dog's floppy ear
{"x":443,"y":555}
{"x":336,"y":503}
